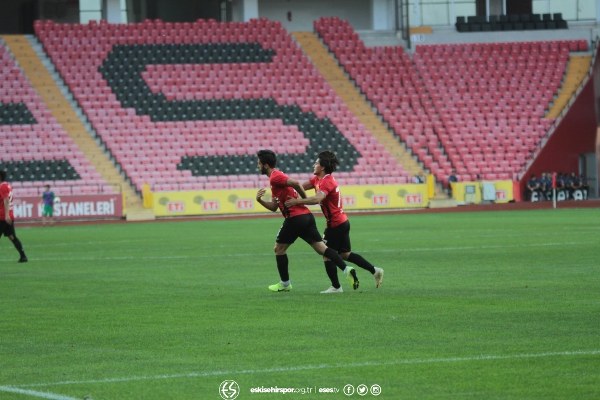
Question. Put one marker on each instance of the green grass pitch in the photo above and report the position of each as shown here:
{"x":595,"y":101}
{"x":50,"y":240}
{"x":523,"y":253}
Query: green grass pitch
{"x":482,"y":305}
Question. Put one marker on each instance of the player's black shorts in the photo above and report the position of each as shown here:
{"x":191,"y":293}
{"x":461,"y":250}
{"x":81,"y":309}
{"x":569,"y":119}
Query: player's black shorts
{"x":338,"y":238}
{"x":303,"y":226}
{"x":7,"y":229}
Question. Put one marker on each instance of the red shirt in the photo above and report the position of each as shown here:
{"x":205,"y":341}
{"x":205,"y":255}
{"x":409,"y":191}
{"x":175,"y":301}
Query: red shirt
{"x":280,"y":192}
{"x":6,"y":193}
{"x":332,"y":203}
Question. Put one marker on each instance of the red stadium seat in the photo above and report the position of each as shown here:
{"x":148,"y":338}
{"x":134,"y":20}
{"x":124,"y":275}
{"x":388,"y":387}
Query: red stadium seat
{"x":463,"y":108}
{"x":41,"y":141}
{"x":289,"y":79}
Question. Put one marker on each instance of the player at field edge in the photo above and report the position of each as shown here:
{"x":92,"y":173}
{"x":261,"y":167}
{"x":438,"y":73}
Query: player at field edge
{"x":337,"y":232}
{"x":48,"y":202}
{"x":298,"y":221}
{"x":7,"y":217}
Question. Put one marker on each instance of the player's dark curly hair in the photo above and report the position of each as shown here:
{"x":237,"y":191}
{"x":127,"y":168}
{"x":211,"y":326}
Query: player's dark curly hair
{"x":267,"y":157}
{"x":328,"y":161}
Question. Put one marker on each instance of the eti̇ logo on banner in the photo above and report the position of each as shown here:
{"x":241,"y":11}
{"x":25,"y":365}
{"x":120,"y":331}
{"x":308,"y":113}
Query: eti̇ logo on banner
{"x":229,"y":390}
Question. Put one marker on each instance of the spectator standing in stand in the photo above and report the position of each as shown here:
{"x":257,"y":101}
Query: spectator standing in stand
{"x":546,"y":185}
{"x":533,"y":187}
{"x":48,"y":204}
{"x":451,"y":179}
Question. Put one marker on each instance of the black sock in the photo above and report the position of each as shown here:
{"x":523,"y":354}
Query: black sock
{"x":335,"y":257}
{"x":17,"y":243}
{"x":332,"y":273}
{"x":361,"y":262}
{"x":282,"y":267}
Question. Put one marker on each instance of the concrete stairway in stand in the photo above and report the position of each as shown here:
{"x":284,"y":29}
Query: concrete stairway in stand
{"x":344,"y":87}
{"x":577,"y":69}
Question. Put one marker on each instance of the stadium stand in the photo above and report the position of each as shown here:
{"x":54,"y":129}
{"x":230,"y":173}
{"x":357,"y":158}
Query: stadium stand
{"x":476,"y":108}
{"x":185,"y":106}
{"x":388,"y":80}
{"x":513,"y":22}
{"x":328,"y":67}
{"x":36,"y":149}
{"x":492,"y":100}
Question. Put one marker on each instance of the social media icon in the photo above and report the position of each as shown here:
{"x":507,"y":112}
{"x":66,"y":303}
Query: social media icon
{"x":375,"y":390}
{"x":348,"y":390}
{"x":362,"y":389}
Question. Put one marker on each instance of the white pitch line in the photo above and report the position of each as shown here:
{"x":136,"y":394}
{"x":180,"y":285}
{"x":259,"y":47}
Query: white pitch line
{"x":487,"y":247}
{"x":33,"y":393}
{"x":264,"y":254}
{"x":233,"y":373}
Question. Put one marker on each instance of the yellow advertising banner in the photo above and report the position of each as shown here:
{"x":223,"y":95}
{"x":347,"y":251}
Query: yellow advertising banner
{"x":242,"y":201}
